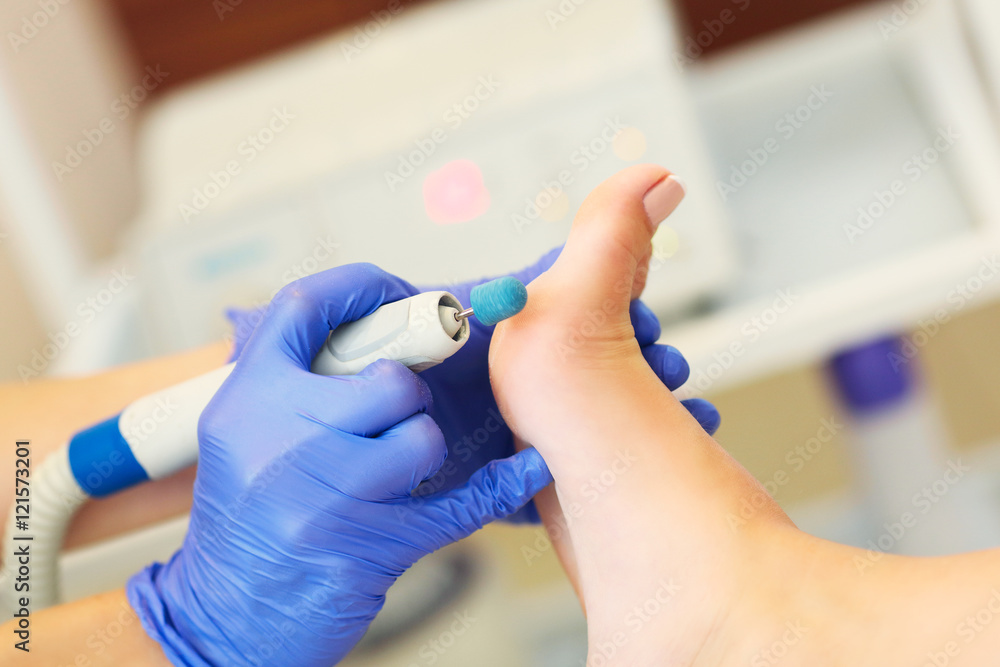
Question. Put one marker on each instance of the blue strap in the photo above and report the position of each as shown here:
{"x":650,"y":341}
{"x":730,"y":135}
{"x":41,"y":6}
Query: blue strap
{"x":101,"y":460}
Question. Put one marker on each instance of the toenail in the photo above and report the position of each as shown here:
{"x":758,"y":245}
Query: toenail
{"x":661,"y":199}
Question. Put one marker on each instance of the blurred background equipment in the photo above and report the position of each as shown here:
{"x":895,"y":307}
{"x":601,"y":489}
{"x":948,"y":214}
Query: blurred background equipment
{"x":831,"y":276}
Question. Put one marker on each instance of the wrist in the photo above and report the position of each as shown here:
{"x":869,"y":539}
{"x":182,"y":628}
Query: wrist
{"x":151,"y":594}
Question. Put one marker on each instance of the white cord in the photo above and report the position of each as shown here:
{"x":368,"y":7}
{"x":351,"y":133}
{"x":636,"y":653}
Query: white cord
{"x":55,"y":497}
{"x":161,"y":430}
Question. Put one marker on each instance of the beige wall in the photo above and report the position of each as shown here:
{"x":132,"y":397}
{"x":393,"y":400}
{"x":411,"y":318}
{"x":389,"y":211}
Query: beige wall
{"x":764,"y":421}
{"x":71,"y":72}
{"x":20,"y":329}
{"x":66,"y":77}
{"x":962,"y":363}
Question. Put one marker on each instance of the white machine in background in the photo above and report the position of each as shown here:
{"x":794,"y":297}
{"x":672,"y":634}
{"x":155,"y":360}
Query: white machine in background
{"x":797,"y":221}
{"x":874,"y":209}
{"x":265,"y":174}
{"x":316,"y":195}
{"x":981,"y":19}
{"x":493,"y":105}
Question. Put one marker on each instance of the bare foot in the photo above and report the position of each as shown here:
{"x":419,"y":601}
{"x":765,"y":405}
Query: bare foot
{"x":643,"y":490}
{"x":670,"y":565}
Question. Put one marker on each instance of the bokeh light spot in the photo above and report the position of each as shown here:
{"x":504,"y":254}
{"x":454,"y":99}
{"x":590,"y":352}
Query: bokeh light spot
{"x":630,"y":144}
{"x":666,"y":242}
{"x":456,"y":193}
{"x":552,"y":208}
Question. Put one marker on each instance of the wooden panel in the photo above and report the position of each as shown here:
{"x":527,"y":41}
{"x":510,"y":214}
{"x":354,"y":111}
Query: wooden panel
{"x":192,"y":38}
{"x":718,"y":24}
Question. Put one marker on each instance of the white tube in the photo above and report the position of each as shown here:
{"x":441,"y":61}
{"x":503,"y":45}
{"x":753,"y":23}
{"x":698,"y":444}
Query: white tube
{"x":162,"y":432}
{"x":55,"y":497}
{"x":161,"y":429}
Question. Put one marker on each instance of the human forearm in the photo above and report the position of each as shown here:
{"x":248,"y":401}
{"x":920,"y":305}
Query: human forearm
{"x":48,"y":412}
{"x":100,"y":631}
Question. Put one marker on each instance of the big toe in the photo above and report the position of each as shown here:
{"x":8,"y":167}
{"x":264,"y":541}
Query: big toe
{"x":607,"y":254}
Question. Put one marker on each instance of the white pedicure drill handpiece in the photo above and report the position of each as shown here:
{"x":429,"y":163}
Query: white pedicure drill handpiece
{"x":157,"y":435}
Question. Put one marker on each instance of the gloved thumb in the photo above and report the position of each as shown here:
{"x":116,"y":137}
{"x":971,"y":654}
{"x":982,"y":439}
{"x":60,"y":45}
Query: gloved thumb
{"x":301,"y":315}
{"x":497,"y":490}
{"x":243,"y":321}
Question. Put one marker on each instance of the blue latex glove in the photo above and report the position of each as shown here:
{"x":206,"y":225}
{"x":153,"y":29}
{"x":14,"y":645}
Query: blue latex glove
{"x":467,"y":412}
{"x":464,"y":406}
{"x":302,"y":514}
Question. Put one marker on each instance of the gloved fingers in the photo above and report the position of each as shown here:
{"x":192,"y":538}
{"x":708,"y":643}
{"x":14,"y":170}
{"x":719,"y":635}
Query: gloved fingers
{"x":645,"y":323}
{"x":299,"y":318}
{"x":402,"y":457}
{"x":706,"y":413}
{"x":525,"y":275}
{"x":673,"y":370}
{"x":497,"y":490}
{"x":544,"y":263}
{"x":527,"y":515}
{"x":382,"y":395}
{"x":668,"y":363}
{"x":243,"y":322}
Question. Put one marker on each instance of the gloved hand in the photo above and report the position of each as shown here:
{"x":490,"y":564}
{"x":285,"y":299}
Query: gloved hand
{"x":302,"y":514}
{"x":464,"y":406}
{"x":467,"y":412}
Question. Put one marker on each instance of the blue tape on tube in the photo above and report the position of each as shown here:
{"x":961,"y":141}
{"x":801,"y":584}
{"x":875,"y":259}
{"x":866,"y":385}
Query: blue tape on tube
{"x":102,"y":462}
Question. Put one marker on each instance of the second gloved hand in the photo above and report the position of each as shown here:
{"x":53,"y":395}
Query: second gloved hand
{"x":464,"y":406}
{"x":303,"y":515}
{"x":467,"y":412}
